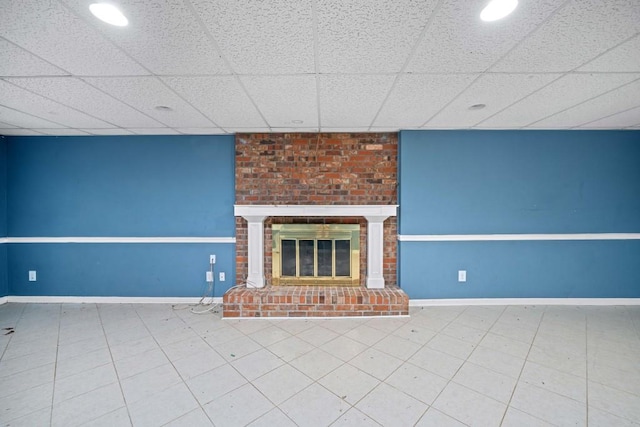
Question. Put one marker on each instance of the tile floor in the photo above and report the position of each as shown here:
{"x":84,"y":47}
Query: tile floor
{"x":152,"y":365}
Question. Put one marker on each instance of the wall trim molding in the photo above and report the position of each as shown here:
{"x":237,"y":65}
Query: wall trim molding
{"x":107,"y":300}
{"x":4,"y":300}
{"x":523,"y":301}
{"x":4,"y":240}
{"x":315,"y":210}
{"x":120,"y":240}
{"x":514,"y":237}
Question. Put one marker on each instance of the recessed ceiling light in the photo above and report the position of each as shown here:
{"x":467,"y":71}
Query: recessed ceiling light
{"x":477,"y":106}
{"x":498,"y":9}
{"x":109,"y":13}
{"x":297,"y":122}
{"x":163,"y":108}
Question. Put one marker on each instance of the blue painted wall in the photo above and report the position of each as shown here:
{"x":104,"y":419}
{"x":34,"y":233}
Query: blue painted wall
{"x":4,"y":279}
{"x":520,"y":182}
{"x":142,"y":186}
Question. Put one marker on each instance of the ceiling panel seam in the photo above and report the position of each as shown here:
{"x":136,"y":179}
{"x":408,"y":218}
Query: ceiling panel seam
{"x":610,"y":115}
{"x":124,"y":51}
{"x":604,"y":53}
{"x":587,"y":100}
{"x":91,"y":25}
{"x":122,"y":101}
{"x":60,"y":103}
{"x":419,"y":39}
{"x":452,"y":100}
{"x":522,"y":98}
{"x":530,"y":33}
{"x":316,"y":59}
{"x":37,"y":56}
{"x":215,"y":44}
{"x":32,"y":115}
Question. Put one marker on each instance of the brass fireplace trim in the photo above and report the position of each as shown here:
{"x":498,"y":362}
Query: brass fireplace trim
{"x":350,"y":232}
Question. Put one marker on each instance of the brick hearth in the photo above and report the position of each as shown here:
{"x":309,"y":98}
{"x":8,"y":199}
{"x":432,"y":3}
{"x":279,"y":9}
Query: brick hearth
{"x":315,"y":301}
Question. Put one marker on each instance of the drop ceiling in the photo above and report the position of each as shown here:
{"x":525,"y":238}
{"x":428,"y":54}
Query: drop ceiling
{"x":225,"y":66}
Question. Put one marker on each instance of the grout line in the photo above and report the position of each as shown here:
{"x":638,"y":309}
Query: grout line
{"x":113,"y":363}
{"x":586,"y":368}
{"x":454,"y":374}
{"x":55,"y":369}
{"x":522,"y":369}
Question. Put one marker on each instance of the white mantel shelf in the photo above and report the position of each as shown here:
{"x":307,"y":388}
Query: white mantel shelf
{"x":374,"y":214}
{"x":315,"y":210}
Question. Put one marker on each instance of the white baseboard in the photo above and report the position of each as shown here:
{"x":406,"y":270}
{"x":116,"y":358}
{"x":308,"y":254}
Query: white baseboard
{"x":4,"y":300}
{"x":523,"y":301}
{"x":108,"y":300}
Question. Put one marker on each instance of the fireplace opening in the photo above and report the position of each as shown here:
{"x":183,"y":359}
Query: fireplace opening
{"x":316,"y":254}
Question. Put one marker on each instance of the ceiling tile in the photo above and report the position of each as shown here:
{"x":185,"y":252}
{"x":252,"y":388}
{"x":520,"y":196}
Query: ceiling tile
{"x":51,"y":31}
{"x":22,"y":100}
{"x":222,"y":99}
{"x":496,"y":91}
{"x":344,"y":129}
{"x":625,"y":57}
{"x":417,"y":97}
{"x":294,"y":130}
{"x":282,"y":99}
{"x":4,"y":125}
{"x":163,"y":35}
{"x":154,"y":131}
{"x":248,"y":130}
{"x":624,"y":119}
{"x":458,"y":41}
{"x":616,"y":101}
{"x":259,"y":37}
{"x":352,"y":100}
{"x":20,"y":119}
{"x":77,"y":94}
{"x":18,"y":62}
{"x":576,"y":34}
{"x":564,"y":93}
{"x":20,"y":132}
{"x":63,"y":132}
{"x":146,"y":93}
{"x":201,"y":131}
{"x":369,"y":36}
{"x":114,"y":131}
{"x":383,"y":129}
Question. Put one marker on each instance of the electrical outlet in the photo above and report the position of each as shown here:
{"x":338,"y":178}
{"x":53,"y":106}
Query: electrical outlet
{"x":462,"y":275}
{"x":209,"y":276}
{"x":222,"y":278}
{"x":212,"y":259}
{"x":32,"y":276}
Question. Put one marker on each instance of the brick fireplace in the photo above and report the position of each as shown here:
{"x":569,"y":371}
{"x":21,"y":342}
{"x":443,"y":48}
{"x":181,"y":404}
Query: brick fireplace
{"x":316,"y":179}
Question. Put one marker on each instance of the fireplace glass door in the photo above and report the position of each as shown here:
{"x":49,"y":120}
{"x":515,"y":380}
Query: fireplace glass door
{"x":305,"y":254}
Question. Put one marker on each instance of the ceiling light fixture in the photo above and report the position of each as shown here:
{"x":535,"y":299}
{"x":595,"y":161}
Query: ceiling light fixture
{"x":163,"y":108}
{"x":477,"y":106}
{"x":498,"y":9}
{"x":109,"y":13}
{"x":297,"y":122}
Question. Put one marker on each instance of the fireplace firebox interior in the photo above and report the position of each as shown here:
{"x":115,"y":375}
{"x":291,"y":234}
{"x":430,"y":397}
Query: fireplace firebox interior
{"x":316,"y":254}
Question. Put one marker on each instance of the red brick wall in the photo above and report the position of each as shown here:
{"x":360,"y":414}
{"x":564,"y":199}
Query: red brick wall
{"x":317,"y":169}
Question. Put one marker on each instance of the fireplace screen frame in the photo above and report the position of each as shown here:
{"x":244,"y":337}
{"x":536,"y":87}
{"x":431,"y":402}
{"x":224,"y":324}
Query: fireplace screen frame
{"x":315,"y":232}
